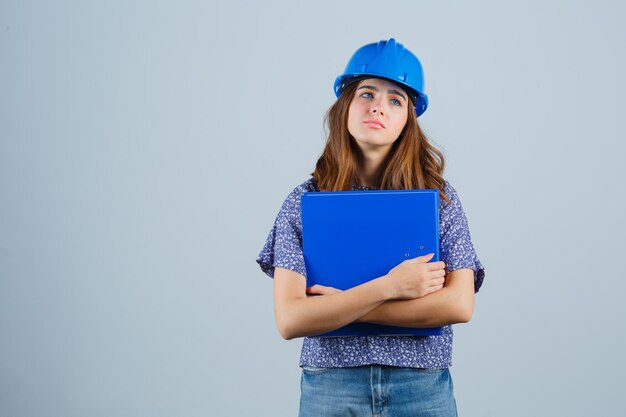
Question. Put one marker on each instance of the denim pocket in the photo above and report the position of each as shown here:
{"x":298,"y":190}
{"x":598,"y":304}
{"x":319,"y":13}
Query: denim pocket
{"x":430,"y":370}
{"x":314,"y":370}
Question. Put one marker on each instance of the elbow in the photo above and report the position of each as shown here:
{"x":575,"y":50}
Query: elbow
{"x":464,"y":312}
{"x":285,"y":328}
{"x":288,"y":320}
{"x":285,"y":333}
{"x":461,"y":291}
{"x":464,"y":307}
{"x":465,"y":315}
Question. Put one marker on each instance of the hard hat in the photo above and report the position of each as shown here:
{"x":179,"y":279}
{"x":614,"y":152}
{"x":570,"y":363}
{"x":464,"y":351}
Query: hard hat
{"x":389,"y":60}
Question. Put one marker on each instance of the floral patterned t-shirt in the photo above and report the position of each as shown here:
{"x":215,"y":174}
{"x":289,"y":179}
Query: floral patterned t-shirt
{"x":283,"y":248}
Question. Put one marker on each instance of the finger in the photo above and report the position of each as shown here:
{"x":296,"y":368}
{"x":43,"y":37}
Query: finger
{"x":317,"y":288}
{"x":327,"y":290}
{"x":423,"y":258}
{"x":435,"y":273}
{"x":321,"y":289}
{"x":439,"y":273}
{"x":434,"y":288}
{"x":432,"y":266}
{"x":314,"y":289}
{"x":437,"y":282}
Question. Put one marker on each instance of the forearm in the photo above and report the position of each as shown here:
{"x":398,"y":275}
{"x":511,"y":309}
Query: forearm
{"x":452,"y":304}
{"x":320,"y":314}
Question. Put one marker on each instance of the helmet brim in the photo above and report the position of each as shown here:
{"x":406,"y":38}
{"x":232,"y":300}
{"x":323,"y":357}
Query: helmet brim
{"x":419,"y":100}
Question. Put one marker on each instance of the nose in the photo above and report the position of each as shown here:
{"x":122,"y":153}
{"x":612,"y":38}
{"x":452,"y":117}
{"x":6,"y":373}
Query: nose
{"x":378,"y":108}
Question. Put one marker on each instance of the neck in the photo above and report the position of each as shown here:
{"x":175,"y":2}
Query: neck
{"x":369,"y":168}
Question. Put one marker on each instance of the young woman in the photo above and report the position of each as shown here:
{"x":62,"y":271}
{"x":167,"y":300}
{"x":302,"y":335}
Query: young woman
{"x":375,"y":142}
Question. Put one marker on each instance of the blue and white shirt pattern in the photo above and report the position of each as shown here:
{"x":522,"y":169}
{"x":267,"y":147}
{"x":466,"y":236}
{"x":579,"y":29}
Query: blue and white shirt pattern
{"x":283,"y":248}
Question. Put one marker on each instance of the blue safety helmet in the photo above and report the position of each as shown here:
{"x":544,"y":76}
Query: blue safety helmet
{"x":389,"y":60}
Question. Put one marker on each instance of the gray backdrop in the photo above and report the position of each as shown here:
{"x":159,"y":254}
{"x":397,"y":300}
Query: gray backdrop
{"x":146,"y":148}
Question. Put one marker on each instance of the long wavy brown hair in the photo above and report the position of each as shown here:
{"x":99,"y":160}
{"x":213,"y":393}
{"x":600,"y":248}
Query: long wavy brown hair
{"x":412,"y":162}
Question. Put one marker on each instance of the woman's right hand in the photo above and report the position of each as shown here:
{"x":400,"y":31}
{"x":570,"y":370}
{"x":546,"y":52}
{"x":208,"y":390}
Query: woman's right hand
{"x":415,"y":278}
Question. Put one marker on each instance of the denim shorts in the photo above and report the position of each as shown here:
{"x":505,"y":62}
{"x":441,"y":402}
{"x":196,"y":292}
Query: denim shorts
{"x":376,"y":391}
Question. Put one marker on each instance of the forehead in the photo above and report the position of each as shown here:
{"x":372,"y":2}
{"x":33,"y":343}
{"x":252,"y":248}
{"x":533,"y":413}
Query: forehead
{"x":381,"y":84}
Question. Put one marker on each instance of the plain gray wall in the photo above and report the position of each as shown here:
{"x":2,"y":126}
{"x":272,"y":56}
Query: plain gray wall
{"x":146,"y":148}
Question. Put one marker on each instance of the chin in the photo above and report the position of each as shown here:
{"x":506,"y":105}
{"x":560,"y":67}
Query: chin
{"x":373,"y":144}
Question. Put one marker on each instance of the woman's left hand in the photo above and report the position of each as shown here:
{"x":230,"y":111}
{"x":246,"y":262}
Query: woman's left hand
{"x":321,"y":290}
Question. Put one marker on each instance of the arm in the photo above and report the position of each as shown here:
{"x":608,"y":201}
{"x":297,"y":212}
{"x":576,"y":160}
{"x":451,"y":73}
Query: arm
{"x":454,"y":303}
{"x":298,"y":315}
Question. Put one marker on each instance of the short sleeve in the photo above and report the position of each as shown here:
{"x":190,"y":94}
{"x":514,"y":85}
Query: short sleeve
{"x":456,"y":248}
{"x":283,"y":247}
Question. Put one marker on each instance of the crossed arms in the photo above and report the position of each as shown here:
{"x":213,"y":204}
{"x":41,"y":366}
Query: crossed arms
{"x":298,"y":315}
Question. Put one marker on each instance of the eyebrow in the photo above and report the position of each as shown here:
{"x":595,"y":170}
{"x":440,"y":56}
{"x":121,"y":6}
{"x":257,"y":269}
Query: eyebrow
{"x":392,"y":91}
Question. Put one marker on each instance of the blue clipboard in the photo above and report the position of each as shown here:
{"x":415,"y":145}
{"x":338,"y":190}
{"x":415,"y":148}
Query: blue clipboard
{"x":352,"y":237}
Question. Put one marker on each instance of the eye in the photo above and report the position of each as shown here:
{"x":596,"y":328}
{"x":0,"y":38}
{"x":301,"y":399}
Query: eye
{"x":367,"y":95}
{"x":396,"y":102}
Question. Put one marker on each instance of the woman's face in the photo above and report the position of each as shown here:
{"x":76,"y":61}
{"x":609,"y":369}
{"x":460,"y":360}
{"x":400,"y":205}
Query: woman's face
{"x":377,"y":114}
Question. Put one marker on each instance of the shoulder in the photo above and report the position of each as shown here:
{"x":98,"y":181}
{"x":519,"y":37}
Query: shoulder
{"x":447,"y":187}
{"x":305,"y":187}
{"x":292,"y":202}
{"x":450,"y":191}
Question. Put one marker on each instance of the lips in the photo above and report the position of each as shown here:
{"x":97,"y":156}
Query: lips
{"x":376,"y":124}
